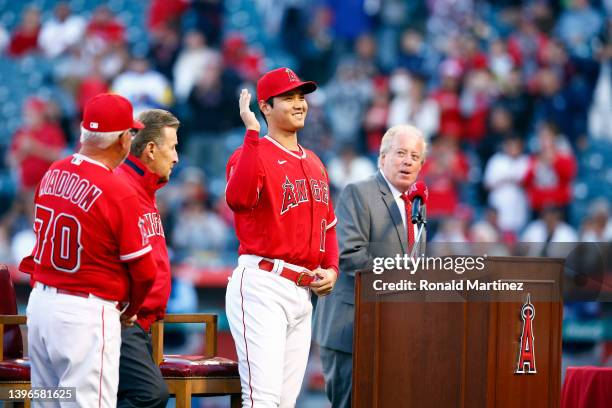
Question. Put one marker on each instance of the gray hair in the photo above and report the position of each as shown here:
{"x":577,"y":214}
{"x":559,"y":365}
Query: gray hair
{"x":387,"y":140}
{"x":101,"y":140}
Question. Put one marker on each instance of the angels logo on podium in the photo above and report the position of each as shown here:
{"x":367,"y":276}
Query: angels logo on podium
{"x":526,"y":361}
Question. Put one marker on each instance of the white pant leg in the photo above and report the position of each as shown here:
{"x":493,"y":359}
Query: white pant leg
{"x":42,"y":373}
{"x":82,"y":338}
{"x":296,"y":352}
{"x":258,"y":324}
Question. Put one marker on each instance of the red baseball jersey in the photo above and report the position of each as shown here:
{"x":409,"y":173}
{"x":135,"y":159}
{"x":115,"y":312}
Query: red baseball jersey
{"x":282,"y":204}
{"x":87,"y":224}
{"x":146,"y":183}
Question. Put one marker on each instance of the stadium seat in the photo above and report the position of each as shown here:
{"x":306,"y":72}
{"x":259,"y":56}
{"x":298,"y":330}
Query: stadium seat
{"x":14,"y":368}
{"x":196,"y":375}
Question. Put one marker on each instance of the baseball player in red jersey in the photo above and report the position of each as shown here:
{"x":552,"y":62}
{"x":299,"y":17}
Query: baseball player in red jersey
{"x":91,"y":254}
{"x":285,"y":223}
{"x":147,"y":169}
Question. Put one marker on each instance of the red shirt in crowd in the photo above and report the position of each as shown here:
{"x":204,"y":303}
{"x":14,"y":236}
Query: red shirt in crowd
{"x":550,"y":184}
{"x":451,"y":123}
{"x":23,"y":42}
{"x":442,"y":173}
{"x":33,"y":167}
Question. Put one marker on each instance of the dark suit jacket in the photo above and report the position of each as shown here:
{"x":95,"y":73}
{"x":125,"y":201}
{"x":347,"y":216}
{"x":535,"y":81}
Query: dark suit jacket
{"x":369,"y":226}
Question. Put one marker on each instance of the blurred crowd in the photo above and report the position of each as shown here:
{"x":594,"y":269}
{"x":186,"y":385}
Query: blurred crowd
{"x":509,"y":95}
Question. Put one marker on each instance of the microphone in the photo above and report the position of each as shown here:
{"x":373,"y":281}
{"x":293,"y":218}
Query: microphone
{"x":418,"y":195}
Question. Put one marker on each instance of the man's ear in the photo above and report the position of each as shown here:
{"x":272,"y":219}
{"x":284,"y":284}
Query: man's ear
{"x":264,"y":107}
{"x":125,"y":139}
{"x":150,"y":150}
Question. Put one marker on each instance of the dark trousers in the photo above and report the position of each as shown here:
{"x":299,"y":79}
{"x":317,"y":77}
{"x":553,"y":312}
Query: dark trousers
{"x":140,"y":381}
{"x":338,"y":373}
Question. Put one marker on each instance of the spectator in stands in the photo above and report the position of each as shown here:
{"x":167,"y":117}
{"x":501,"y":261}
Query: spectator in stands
{"x":546,"y":230}
{"x":447,"y":97}
{"x":144,"y":87}
{"x":349,"y":20}
{"x":104,"y":31}
{"x":526,"y":44}
{"x":238,"y":56}
{"x":316,"y":62}
{"x":554,"y":103}
{"x":445,"y":169}
{"x":550,"y":172}
{"x":62,"y":31}
{"x":90,"y":86}
{"x":191,"y":63}
{"x":600,"y":114}
{"x":503,"y":175}
{"x":215,"y":89}
{"x":164,"y":48}
{"x":515,"y":99}
{"x":165,"y":13}
{"x":486,"y":240}
{"x":4,"y":39}
{"x":414,"y":106}
{"x":198,"y":229}
{"x":348,"y":167}
{"x":366,"y":56}
{"x":578,"y":26}
{"x":348,"y":94}
{"x":500,"y":126}
{"x":413,"y":54}
{"x":597,"y":226}
{"x":24,"y":39}
{"x":209,"y":19}
{"x":35,"y":145}
{"x":476,"y":98}
{"x":377,"y":116}
{"x":500,"y":61}
{"x":471,"y":57}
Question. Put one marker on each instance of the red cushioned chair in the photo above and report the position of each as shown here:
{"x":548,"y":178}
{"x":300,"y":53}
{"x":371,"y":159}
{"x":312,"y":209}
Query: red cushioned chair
{"x":14,"y":368}
{"x":189,"y":375}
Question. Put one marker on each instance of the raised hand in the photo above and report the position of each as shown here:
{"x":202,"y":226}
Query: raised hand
{"x":247,"y":115}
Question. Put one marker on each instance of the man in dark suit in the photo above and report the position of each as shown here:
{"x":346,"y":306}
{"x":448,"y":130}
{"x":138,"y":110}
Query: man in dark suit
{"x":372,"y":219}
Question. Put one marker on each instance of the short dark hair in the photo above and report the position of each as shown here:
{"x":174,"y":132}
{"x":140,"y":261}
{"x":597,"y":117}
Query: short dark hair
{"x":270,"y":102}
{"x":154,"y":121}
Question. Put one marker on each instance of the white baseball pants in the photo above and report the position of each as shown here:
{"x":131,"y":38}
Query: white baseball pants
{"x":74,"y":342}
{"x":270,"y":321}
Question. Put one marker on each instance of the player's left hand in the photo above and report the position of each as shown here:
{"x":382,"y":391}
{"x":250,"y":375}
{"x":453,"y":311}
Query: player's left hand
{"x":325,"y":284}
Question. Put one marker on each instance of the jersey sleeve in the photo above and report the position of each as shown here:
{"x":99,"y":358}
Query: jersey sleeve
{"x":131,"y":235}
{"x":244,"y":175}
{"x":331,"y":215}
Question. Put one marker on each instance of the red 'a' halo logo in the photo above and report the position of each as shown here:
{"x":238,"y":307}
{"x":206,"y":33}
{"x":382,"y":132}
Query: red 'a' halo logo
{"x":291,"y":75}
{"x":526,"y":360}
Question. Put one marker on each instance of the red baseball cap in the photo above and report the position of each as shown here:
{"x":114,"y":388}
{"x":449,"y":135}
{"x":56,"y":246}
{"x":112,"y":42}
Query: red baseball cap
{"x":279,"y":81}
{"x":109,"y":113}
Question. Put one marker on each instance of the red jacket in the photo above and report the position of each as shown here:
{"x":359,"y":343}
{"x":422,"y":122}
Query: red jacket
{"x":146,"y":183}
{"x":552,"y":184}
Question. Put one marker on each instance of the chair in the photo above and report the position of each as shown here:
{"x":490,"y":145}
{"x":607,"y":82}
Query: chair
{"x":14,"y":368}
{"x":195,"y":375}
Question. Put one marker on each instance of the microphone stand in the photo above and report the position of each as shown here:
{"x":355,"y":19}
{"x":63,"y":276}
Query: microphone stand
{"x":421,"y":222}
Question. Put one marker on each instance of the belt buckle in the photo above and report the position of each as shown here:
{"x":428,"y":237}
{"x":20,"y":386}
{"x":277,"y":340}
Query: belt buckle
{"x":301,"y":276}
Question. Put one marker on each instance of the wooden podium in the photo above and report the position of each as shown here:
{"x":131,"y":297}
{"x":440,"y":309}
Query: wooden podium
{"x":422,"y":352}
